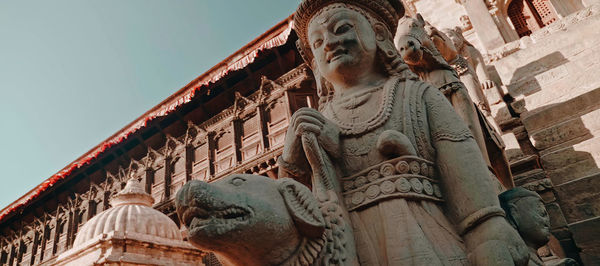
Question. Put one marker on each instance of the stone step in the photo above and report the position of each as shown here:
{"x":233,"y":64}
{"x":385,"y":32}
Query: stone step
{"x":587,"y":237}
{"x":524,"y":164}
{"x":572,"y":162}
{"x":529,"y":176}
{"x":578,"y":198}
{"x":585,"y":126}
{"x":553,"y":114}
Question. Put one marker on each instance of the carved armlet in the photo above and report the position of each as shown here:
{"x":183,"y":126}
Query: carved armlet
{"x":479,"y":217}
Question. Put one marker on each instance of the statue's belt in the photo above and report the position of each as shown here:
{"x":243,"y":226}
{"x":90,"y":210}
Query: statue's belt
{"x":403,"y":177}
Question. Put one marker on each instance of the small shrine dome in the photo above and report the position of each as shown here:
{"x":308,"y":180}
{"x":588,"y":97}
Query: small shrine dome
{"x":132,"y":213}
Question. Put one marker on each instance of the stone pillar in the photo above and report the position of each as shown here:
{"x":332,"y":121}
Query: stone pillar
{"x":483,"y":24}
{"x":506,"y":30}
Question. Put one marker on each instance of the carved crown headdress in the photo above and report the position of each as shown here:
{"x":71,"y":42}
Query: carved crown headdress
{"x":386,"y":11}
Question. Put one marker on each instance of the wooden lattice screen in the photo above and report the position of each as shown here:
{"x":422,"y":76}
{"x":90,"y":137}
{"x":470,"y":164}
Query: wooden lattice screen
{"x":545,"y":10}
{"x":530,"y":15}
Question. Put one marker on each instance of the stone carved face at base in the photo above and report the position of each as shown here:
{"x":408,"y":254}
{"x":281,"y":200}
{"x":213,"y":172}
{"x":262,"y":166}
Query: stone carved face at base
{"x":342,"y":42}
{"x":532,"y":220}
{"x":248,"y":219}
{"x":526,"y":212}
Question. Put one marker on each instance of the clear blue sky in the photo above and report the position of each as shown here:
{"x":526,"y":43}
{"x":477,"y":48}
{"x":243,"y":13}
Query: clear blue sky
{"x":74,"y":72}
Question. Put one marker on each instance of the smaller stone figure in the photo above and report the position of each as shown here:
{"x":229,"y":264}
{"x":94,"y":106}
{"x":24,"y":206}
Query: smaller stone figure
{"x":525,"y":211}
{"x":255,"y":220}
{"x":476,"y":62}
{"x":427,"y":51}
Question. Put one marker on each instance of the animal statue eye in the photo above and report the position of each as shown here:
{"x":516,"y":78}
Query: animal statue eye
{"x":343,"y":28}
{"x":238,"y":181}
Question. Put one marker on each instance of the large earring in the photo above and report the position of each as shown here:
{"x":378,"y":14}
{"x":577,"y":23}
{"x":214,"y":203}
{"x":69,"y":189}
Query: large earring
{"x":391,"y":57}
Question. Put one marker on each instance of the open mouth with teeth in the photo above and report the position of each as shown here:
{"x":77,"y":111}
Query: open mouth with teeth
{"x":215,"y":221}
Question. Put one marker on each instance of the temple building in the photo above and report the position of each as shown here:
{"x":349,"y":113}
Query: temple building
{"x":543,"y":55}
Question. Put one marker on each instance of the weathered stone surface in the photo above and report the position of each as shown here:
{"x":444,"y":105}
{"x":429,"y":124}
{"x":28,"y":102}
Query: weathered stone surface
{"x":578,"y":201}
{"x":575,"y":128}
{"x":556,"y":113}
{"x":557,"y":217}
{"x":573,"y":162}
{"x":500,"y":113}
{"x":540,"y":72}
{"x":587,"y":237}
{"x":513,"y":150}
{"x":529,"y":176}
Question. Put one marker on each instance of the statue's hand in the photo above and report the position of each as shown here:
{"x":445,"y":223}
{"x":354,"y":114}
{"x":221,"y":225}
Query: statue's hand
{"x":488,"y":84}
{"x":308,"y":120}
{"x":495,"y":242}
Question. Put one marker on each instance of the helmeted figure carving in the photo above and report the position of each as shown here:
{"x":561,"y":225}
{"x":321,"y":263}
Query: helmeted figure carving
{"x":525,"y":211}
{"x":427,"y":51}
{"x":390,"y":147}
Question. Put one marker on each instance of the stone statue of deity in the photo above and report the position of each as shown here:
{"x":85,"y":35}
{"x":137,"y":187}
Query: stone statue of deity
{"x":427,"y":51}
{"x":389,"y":149}
{"x":475,"y":61}
{"x":525,"y":211}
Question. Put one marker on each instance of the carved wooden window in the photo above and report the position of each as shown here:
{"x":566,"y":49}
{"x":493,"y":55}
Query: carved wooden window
{"x":4,"y":257}
{"x":277,"y":122}
{"x":61,"y":243}
{"x":38,"y":247}
{"x":201,"y":165}
{"x":158,"y":186}
{"x":251,"y":138}
{"x":530,"y":15}
{"x":225,"y":153}
{"x":50,"y":236}
{"x":545,"y":10}
{"x":20,"y":252}
{"x":178,"y":177}
{"x":27,"y":250}
{"x":302,"y":99}
{"x":47,"y":244}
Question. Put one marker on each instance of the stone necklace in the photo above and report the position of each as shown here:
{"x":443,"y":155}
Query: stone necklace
{"x":379,"y":118}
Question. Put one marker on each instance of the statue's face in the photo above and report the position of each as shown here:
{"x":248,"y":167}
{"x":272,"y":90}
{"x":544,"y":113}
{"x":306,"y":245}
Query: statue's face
{"x":453,"y":35}
{"x":343,"y":43}
{"x":533,"y":221}
{"x":410,"y":49}
{"x":220,"y":214}
{"x":406,"y":41}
